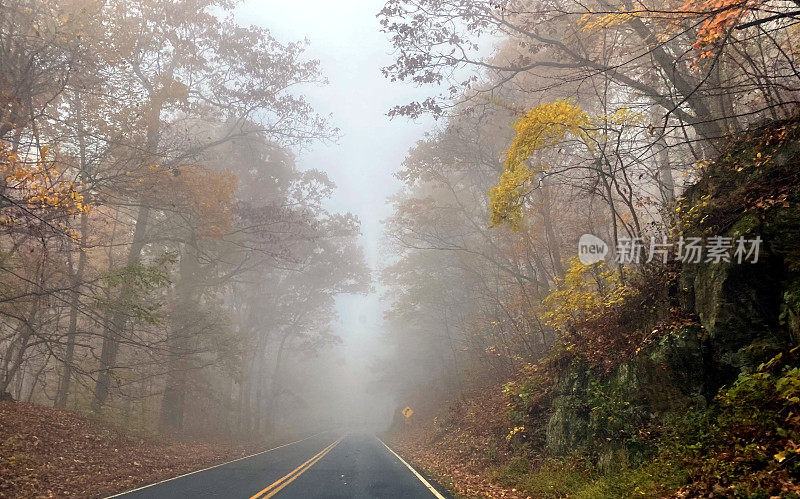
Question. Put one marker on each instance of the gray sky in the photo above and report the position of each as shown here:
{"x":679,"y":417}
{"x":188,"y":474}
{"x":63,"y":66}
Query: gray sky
{"x":345,"y":37}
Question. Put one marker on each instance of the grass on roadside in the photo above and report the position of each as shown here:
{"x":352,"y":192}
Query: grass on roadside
{"x":572,"y":478}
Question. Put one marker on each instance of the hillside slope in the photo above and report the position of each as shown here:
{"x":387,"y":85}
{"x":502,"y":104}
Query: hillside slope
{"x":462,"y":445}
{"x":47,"y":452}
{"x":684,"y":382}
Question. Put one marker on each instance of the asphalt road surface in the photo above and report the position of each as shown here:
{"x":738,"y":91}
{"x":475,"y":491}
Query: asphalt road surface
{"x":328,"y":465}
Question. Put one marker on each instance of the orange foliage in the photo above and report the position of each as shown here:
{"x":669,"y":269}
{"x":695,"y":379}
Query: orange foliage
{"x":206,"y":196}
{"x":35,"y":186}
{"x":210,"y":196}
{"x":721,"y":17}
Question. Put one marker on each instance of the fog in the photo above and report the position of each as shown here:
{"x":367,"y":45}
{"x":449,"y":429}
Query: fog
{"x":268,"y":218}
{"x":362,"y":162}
{"x":258,"y":304}
{"x":346,"y":40}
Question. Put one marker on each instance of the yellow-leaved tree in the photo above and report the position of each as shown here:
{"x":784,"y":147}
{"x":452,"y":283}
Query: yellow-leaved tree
{"x":583,"y":292}
{"x":545,"y":125}
{"x":35,"y":189}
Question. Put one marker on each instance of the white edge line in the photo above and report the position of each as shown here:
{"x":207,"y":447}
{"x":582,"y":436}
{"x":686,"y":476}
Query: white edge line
{"x":216,"y":465}
{"x":421,"y":478}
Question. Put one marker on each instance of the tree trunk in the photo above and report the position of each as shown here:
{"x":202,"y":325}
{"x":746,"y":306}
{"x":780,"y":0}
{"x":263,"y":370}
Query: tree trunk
{"x":275,"y":385}
{"x":119,"y":318}
{"x":552,"y":240}
{"x":77,"y":280}
{"x":178,"y":341}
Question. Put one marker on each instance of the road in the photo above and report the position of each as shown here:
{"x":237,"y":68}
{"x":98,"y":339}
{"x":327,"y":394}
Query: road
{"x":328,"y":465}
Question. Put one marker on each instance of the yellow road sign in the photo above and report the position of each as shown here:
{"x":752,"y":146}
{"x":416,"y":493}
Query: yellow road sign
{"x":407,"y":412}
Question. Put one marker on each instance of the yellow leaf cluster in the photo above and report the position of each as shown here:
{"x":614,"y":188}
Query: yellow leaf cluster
{"x":506,"y":198}
{"x":545,"y":126}
{"x":36,"y":185}
{"x":584,"y":291}
{"x":623,"y":116}
{"x":593,"y":22}
{"x":542,"y":126}
{"x":514,"y":431}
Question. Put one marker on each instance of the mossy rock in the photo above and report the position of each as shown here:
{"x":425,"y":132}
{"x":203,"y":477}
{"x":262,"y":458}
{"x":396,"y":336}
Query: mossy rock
{"x":666,"y":375}
{"x":738,"y":304}
{"x":672,"y":371}
{"x":748,"y":309}
{"x":568,"y":426}
{"x":790,"y":311}
{"x":614,"y":457}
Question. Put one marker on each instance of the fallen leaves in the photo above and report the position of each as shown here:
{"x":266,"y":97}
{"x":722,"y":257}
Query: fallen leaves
{"x":47,"y":452}
{"x":460,"y":447}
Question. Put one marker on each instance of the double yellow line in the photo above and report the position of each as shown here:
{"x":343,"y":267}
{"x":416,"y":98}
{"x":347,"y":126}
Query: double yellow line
{"x":292,"y":475}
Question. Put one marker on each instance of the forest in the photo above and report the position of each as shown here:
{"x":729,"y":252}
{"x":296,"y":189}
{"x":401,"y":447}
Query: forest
{"x":588,"y":269}
{"x":667,"y":131}
{"x":158,"y":240}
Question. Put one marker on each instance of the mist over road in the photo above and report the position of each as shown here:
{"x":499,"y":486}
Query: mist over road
{"x":330,"y":465}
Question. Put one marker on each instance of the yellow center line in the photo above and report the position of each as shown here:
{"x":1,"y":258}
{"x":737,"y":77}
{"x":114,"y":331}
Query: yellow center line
{"x":282,"y":482}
